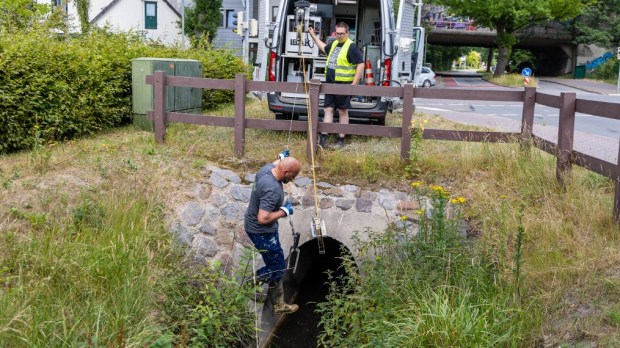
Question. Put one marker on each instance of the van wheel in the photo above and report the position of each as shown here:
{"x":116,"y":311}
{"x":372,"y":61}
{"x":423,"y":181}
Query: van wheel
{"x":426,"y":84}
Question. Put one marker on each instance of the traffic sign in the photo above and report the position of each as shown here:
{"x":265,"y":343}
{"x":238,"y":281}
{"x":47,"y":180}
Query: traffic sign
{"x":526,"y":72}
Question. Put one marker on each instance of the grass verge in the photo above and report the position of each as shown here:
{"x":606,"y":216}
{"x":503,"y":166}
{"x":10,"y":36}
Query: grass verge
{"x":104,"y":199}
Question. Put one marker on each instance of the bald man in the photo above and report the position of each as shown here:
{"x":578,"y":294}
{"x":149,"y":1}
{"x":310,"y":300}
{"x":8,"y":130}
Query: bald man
{"x":261,"y":225}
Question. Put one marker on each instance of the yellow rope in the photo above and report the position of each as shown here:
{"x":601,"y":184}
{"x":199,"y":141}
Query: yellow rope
{"x":303,"y":71}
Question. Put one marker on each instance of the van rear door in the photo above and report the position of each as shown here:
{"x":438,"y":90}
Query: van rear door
{"x":407,"y":45}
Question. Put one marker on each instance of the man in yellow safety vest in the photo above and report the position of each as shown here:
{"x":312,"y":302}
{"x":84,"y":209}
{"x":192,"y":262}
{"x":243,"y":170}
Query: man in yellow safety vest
{"x":345,"y":65}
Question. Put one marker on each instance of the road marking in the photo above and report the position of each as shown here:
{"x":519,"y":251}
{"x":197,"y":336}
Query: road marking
{"x":432,"y":109}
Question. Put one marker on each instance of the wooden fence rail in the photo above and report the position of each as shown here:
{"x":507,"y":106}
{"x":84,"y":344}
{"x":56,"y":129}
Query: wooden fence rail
{"x":566,"y":103}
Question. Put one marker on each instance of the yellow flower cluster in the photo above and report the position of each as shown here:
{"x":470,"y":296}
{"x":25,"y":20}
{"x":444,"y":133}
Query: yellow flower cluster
{"x":419,"y":124}
{"x":416,"y":184}
{"x":458,"y":200}
{"x":437,"y":188}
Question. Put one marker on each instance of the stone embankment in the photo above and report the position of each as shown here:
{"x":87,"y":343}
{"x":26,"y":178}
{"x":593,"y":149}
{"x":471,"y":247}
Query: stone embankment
{"x":208,"y":218}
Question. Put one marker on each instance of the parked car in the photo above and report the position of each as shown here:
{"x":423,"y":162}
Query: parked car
{"x":427,"y":78}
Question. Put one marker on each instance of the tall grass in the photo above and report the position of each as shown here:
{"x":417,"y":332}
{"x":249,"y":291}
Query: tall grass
{"x":429,"y":289}
{"x":86,"y":282}
{"x":104,"y":199}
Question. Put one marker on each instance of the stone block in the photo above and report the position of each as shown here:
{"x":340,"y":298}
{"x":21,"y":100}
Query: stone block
{"x":363,"y":205}
{"x":345,"y":204}
{"x":192,"y":213}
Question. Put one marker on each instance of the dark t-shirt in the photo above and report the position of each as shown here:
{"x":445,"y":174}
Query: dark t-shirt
{"x":267,"y":194}
{"x":354,"y":55}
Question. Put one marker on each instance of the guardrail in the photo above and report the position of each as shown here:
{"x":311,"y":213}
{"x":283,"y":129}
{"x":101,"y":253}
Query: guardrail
{"x":567,"y":103}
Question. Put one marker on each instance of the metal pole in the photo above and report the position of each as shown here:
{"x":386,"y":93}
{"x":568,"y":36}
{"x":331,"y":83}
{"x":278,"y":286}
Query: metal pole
{"x":246,"y":32}
{"x":183,"y":24}
{"x":618,"y":87}
{"x":419,"y":13}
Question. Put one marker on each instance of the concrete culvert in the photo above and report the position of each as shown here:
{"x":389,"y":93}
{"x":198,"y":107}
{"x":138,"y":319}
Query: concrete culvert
{"x":307,"y":287}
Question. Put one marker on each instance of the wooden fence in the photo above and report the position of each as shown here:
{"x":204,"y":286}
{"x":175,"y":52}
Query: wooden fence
{"x":566,"y":103}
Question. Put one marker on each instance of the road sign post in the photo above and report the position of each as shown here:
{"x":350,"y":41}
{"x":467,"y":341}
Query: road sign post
{"x":618,"y":86}
{"x":526,"y":72}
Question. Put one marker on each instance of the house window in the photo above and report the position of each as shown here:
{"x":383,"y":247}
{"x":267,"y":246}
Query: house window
{"x":228,"y":19}
{"x":150,"y":15}
{"x":58,"y":3}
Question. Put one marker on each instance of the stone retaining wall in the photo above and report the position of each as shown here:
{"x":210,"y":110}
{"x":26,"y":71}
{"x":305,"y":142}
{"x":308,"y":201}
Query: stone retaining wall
{"x":209,"y":217}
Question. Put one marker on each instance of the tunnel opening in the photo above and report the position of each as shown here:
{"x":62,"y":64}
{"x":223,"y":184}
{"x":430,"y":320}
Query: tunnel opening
{"x":307,"y":288}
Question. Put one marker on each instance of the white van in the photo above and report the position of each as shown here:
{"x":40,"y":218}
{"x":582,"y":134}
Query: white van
{"x":288,"y":53}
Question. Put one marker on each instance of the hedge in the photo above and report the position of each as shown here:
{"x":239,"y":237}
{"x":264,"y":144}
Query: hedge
{"x":66,"y":88}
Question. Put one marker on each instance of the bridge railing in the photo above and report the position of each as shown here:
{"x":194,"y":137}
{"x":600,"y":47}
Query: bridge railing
{"x":566,"y":103}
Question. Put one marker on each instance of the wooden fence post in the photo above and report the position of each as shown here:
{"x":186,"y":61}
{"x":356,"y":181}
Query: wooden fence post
{"x":566,"y":132}
{"x":405,"y":143}
{"x":159,"y":107}
{"x":617,"y":190}
{"x":313,"y":113}
{"x":240,"y":83}
{"x":527,"y":118}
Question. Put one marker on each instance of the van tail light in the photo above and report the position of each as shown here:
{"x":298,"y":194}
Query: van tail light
{"x":272,"y":66}
{"x":388,"y":71}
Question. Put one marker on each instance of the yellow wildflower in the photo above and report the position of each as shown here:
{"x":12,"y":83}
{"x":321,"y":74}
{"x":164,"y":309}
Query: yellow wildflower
{"x":458,"y":200}
{"x":403,"y":218}
{"x":416,"y":184}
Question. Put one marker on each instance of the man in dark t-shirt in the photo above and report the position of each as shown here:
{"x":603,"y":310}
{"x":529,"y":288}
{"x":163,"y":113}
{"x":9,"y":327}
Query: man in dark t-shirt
{"x":345,"y":65}
{"x":261,"y":225}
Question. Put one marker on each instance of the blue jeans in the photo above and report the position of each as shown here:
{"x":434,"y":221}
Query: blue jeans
{"x":268,"y":244}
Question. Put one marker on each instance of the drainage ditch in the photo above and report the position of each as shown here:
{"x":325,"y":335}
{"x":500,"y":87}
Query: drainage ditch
{"x":307,"y":287}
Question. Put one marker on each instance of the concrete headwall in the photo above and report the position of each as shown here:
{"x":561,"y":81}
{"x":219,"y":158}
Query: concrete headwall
{"x":208,"y":217}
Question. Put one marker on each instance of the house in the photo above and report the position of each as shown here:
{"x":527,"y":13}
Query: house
{"x":155,"y":19}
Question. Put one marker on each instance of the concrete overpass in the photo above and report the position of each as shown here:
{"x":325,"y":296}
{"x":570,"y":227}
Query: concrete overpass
{"x":551,"y":44}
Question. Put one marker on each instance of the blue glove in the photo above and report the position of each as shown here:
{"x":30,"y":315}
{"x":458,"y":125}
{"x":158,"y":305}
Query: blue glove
{"x":282,"y":155}
{"x":287,"y":208}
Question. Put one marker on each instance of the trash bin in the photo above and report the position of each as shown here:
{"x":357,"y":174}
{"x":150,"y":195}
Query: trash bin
{"x":579,"y":72}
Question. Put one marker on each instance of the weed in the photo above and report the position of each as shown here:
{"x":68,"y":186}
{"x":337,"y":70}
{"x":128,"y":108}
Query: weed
{"x":429,"y":289}
{"x":613,"y":317}
{"x":41,"y":149}
{"x":416,"y":150}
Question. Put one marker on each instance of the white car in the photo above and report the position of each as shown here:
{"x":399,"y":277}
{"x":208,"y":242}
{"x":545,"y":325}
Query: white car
{"x":426,"y":78}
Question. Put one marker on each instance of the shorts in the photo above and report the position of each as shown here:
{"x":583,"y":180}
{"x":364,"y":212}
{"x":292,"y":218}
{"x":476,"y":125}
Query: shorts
{"x":337,"y":101}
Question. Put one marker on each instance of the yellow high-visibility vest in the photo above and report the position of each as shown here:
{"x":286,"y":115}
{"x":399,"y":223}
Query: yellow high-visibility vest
{"x":345,"y":71}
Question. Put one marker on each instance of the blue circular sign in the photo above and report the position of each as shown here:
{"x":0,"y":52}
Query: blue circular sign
{"x":526,"y":72}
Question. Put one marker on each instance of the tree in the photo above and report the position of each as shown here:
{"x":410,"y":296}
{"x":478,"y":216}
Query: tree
{"x":17,"y":15}
{"x":203,"y":19}
{"x":509,"y":16}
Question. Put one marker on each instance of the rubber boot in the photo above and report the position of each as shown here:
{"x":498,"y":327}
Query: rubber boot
{"x":277,"y":301}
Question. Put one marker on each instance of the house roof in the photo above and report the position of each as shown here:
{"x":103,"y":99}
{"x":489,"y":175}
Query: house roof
{"x":105,"y":9}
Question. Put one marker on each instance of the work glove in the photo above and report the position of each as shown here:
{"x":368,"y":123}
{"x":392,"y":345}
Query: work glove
{"x":282,"y":155}
{"x":287,"y":208}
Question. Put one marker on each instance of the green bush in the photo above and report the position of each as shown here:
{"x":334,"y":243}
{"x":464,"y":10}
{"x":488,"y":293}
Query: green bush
{"x":75,"y":87}
{"x":605,"y":71}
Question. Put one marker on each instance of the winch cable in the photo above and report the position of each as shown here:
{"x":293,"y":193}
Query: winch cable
{"x":318,"y":226}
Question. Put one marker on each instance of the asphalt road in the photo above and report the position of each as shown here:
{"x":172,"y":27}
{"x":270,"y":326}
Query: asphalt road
{"x":594,"y":135}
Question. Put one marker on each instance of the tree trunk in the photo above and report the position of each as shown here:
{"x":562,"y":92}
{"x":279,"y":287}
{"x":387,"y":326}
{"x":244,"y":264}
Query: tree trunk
{"x":502,"y":60}
{"x":489,"y":59}
{"x":505,"y":41}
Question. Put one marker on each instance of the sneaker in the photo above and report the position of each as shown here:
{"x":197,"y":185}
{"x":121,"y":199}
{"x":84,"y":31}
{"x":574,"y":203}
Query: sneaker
{"x":322,"y":140}
{"x":340,"y":142}
{"x":283,"y":308}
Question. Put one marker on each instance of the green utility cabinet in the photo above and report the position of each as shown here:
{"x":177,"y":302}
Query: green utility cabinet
{"x":181,"y":99}
{"x":579,"y":72}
